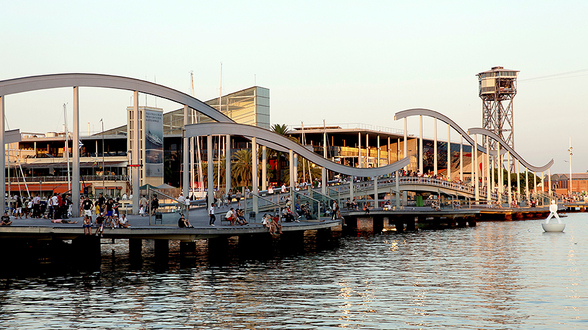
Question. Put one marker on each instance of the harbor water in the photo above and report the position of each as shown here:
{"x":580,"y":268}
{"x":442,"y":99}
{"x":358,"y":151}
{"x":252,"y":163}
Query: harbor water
{"x":498,"y":275}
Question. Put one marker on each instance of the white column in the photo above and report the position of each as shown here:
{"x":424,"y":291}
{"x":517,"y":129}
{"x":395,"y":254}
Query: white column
{"x":210,"y":170}
{"x":254,"y":179}
{"x":136,"y":154}
{"x":405,"y":154}
{"x":2,"y":158}
{"x":499,"y":180}
{"x":397,"y":189}
{"x":351,"y":188}
{"x":388,"y":150}
{"x":435,"y":157}
{"x":75,"y":187}
{"x":535,"y":183}
{"x":421,"y":145}
{"x":527,"y":185}
{"x":474,"y":171}
{"x":461,"y":157}
{"x":376,"y":202}
{"x":509,"y":184}
{"x":291,"y":160}
{"x":227,"y":164}
{"x":359,"y":150}
{"x":263,"y":168}
{"x":185,"y":157}
{"x":549,"y":177}
{"x":295,"y":169}
{"x":518,"y":182}
{"x":324,"y":169}
{"x":488,"y":179}
{"x":449,"y":152}
{"x":379,"y":151}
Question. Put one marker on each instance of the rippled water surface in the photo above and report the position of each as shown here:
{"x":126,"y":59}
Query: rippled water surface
{"x":498,"y":275}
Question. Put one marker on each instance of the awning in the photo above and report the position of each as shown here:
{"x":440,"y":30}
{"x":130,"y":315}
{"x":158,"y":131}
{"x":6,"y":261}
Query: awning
{"x":49,"y":186}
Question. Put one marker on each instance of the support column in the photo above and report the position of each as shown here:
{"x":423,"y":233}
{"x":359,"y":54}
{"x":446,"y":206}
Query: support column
{"x":461,"y":158}
{"x":135,"y":154}
{"x":3,"y":155}
{"x":227,"y":164}
{"x":359,"y":150}
{"x":291,"y":160}
{"x":435,"y":156}
{"x":210,"y":170}
{"x":421,"y":145}
{"x":254,"y":180}
{"x":351,"y":188}
{"x":527,"y":185}
{"x":499,"y":180}
{"x":324,"y":169}
{"x":449,"y":152}
{"x":75,"y":177}
{"x":295,"y":169}
{"x":405,"y":144}
{"x":535,"y":183}
{"x":397,"y":189}
{"x":474,"y":170}
{"x":388,"y":151}
{"x":509,"y":184}
{"x":488,"y":179}
{"x":185,"y":158}
{"x":549,"y":176}
{"x":379,"y":151}
{"x":263,"y":168}
{"x":376,"y":202}
{"x":518,"y":183}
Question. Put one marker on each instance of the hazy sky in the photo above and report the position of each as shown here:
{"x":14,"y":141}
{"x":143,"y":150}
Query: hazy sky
{"x":341,"y":61}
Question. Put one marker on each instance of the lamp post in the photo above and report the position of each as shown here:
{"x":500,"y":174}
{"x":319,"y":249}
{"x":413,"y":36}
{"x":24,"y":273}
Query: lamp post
{"x":570,"y":151}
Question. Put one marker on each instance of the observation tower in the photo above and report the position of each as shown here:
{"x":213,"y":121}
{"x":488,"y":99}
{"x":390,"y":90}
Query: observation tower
{"x":497,"y":89}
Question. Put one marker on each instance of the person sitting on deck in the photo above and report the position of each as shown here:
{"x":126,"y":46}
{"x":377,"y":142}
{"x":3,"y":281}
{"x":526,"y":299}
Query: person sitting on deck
{"x":241,"y":217}
{"x":87,"y":224}
{"x":184,"y":223}
{"x":275,"y":225}
{"x":123,"y":222}
{"x":366,"y":209}
{"x":287,"y":215}
{"x":63,"y":221}
{"x":5,"y":220}
{"x":265,"y":221}
{"x":231,"y":216}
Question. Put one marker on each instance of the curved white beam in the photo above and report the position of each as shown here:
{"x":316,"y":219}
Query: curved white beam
{"x":440,"y":116}
{"x":33,"y":83}
{"x":266,"y":135}
{"x":483,"y":131}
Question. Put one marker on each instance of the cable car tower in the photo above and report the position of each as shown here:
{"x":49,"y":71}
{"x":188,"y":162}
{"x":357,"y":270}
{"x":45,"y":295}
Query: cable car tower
{"x":497,"y":89}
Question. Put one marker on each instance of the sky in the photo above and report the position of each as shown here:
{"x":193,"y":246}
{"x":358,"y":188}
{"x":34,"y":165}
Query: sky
{"x":344,"y":62}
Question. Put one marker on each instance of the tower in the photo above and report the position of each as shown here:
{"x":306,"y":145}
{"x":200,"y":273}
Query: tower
{"x":497,"y":89}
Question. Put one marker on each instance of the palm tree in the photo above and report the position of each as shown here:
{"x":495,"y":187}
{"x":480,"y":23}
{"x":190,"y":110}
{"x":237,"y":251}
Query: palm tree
{"x":284,"y":131}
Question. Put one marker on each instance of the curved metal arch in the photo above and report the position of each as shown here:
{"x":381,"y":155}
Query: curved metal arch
{"x":483,"y":131}
{"x":33,"y":83}
{"x":264,"y":136}
{"x":440,"y":116}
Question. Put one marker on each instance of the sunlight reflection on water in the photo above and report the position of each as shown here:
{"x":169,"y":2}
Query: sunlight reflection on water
{"x":497,"y":275}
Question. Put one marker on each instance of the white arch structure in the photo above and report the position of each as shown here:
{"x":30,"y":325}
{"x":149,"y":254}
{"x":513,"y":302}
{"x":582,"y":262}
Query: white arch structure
{"x":451,"y":124}
{"x":76,"y":80}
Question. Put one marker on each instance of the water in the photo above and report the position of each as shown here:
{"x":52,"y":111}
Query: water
{"x":499,"y":275}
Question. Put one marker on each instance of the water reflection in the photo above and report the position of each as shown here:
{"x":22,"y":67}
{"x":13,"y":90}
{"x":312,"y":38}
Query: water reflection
{"x":496,"y":275}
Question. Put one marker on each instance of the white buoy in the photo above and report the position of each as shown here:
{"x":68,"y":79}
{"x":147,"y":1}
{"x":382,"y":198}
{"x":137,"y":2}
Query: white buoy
{"x":553,"y":227}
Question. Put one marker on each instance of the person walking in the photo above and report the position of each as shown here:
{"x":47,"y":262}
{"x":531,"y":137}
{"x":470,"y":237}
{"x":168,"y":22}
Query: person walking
{"x":212,"y":216}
